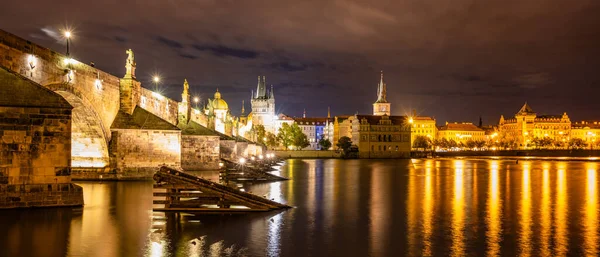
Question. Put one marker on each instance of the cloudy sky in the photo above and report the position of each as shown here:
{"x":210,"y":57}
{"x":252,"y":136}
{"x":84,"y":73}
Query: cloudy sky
{"x":451,"y":59}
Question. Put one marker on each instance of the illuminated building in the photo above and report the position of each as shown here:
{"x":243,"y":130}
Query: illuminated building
{"x":217,"y":111}
{"x":263,"y":106}
{"x":313,"y":128}
{"x":422,"y":126}
{"x":527,"y":125}
{"x":588,"y":131}
{"x":381,"y":136}
{"x":461,"y":132}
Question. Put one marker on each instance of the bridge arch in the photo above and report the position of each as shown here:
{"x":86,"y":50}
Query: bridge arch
{"x":89,"y":137}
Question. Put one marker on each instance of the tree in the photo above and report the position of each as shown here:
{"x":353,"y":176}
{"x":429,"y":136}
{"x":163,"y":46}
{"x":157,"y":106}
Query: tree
{"x":325,"y":144}
{"x":259,"y":133}
{"x":284,"y":136}
{"x":470,"y":144}
{"x":452,"y":143}
{"x":444,"y":143}
{"x":422,"y":142}
{"x":344,"y":143}
{"x":271,"y":140}
{"x":299,"y":139}
{"x":576,"y":143}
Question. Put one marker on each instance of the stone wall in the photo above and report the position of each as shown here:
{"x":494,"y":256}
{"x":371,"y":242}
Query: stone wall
{"x":241,"y":149}
{"x":139,"y":153}
{"x":36,"y":145}
{"x":40,"y":195}
{"x":228,"y":149}
{"x":308,"y":154}
{"x":199,"y":152}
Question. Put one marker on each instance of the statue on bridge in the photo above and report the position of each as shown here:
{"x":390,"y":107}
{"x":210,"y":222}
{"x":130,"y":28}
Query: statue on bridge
{"x":130,"y":65}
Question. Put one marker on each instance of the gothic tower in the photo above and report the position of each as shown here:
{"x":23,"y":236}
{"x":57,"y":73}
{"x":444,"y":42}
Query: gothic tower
{"x":381,"y":106}
{"x":263,"y":105}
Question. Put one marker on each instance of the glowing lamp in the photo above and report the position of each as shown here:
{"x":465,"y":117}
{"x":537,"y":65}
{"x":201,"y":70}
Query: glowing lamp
{"x":252,"y":158}
{"x":68,"y":34}
{"x":242,"y":160}
{"x":156,"y":79}
{"x":196,"y":99}
{"x":220,"y":164}
{"x":260,"y":157}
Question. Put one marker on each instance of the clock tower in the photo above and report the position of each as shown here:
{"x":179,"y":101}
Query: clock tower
{"x":381,"y":106}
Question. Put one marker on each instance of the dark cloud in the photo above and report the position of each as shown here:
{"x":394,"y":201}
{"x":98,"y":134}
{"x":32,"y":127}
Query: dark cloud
{"x":224,"y":51}
{"x":454,"y":60}
{"x":188,"y":56}
{"x":120,"y":39}
{"x":169,"y":42}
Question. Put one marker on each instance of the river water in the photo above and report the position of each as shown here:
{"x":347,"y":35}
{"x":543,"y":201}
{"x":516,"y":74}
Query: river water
{"x":441,"y":207}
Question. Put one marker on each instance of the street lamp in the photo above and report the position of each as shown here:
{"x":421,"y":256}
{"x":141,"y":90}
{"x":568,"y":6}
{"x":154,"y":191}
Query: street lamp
{"x":68,"y":37}
{"x":156,"y":79}
{"x":196,"y":100}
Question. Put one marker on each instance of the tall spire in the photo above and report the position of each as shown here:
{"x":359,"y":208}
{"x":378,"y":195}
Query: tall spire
{"x":261,"y":91}
{"x":328,"y":112}
{"x":243,"y":110}
{"x":272,"y":94}
{"x":304,"y":113}
{"x":381,"y":91}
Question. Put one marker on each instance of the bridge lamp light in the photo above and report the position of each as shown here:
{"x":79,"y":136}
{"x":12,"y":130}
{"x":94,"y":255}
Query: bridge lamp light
{"x":156,"y":79}
{"x":252,"y":158}
{"x":242,"y":160}
{"x":261,"y":157}
{"x":68,"y":35}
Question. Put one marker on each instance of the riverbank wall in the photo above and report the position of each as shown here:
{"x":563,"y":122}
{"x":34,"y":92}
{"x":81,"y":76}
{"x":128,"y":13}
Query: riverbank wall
{"x":309,"y":154}
{"x":532,"y":153}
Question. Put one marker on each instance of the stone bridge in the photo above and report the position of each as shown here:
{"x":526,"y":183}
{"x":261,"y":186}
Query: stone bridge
{"x":118,"y":126}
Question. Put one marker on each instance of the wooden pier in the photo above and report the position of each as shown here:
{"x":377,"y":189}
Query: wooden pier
{"x":183,"y":192}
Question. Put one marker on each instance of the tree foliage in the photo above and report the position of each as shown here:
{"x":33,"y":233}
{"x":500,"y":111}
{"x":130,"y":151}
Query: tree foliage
{"x":271,"y":140}
{"x":325,"y":144}
{"x":344,"y":143}
{"x":284,"y":136}
{"x":422,"y":142}
{"x":299,"y":139}
{"x":576,"y":143}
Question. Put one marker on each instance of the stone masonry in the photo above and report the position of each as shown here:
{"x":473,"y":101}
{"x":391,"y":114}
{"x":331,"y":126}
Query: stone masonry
{"x":35,"y":147}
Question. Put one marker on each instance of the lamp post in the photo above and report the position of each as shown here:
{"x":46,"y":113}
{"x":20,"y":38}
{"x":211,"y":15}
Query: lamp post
{"x":68,"y":37}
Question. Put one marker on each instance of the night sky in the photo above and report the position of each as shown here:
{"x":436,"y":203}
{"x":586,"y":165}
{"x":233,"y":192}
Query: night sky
{"x":451,"y":59}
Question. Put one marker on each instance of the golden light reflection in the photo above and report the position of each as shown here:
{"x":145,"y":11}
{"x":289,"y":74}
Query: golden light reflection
{"x":458,"y":211}
{"x":545,"y":211}
{"x":494,"y":212}
{"x":590,"y":221}
{"x":379,"y":212}
{"x":525,"y":213}
{"x":561,"y":223}
{"x":411,"y":211}
{"x":427,"y":213}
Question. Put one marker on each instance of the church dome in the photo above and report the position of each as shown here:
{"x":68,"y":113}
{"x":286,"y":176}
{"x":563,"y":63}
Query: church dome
{"x":219,"y":103}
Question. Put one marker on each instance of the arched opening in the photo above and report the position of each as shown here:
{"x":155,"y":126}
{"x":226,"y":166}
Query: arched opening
{"x":89,"y":148}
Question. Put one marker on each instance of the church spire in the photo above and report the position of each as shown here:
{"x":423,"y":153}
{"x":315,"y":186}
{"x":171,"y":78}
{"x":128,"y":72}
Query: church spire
{"x":261,"y":91}
{"x":272,"y":94}
{"x":328,"y":112}
{"x":243,"y":110}
{"x":304,"y":113}
{"x":381,"y":91}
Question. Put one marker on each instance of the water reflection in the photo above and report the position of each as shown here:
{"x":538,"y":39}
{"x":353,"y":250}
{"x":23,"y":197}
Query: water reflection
{"x":343,"y":208}
{"x":561,"y":221}
{"x":590,"y":211}
{"x":525,"y":212}
{"x":458,"y":210}
{"x":494,"y":212}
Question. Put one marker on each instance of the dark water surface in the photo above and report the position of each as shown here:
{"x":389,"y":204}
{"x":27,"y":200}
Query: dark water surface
{"x":447,"y":207}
